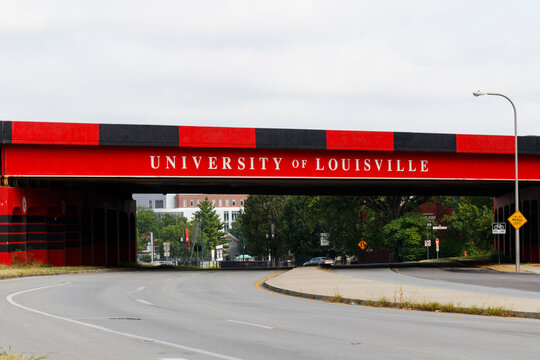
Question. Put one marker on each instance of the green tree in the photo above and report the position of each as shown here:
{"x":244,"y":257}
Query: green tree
{"x":300,"y":226}
{"x":471,"y":221}
{"x":405,"y":235}
{"x":210,"y":224}
{"x":389,"y":208}
{"x":260,"y":211}
{"x":171,"y":219}
{"x":147,"y":221}
{"x":167,"y":228}
{"x":237,"y":228}
{"x":174,"y":233}
{"x":343,"y":220}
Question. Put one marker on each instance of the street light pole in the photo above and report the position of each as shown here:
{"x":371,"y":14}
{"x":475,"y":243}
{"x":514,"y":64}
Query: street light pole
{"x":479,"y":93}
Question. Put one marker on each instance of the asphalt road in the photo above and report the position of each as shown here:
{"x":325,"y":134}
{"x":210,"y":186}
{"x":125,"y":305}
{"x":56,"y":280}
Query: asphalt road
{"x":473,"y":276}
{"x":222,"y":315}
{"x":461,"y":279}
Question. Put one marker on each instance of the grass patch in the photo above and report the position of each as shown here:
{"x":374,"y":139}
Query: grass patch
{"x":335,"y":299}
{"x":8,"y":272}
{"x":11,"y":356}
{"x":162,"y":267}
{"x":498,"y":311}
{"x":38,"y":269}
{"x":446,"y":308}
{"x":474,"y":310}
{"x":450,"y":308}
{"x":383,"y":302}
{"x":485,"y":257}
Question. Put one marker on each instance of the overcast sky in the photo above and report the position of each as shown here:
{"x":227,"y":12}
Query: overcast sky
{"x":358,"y":65}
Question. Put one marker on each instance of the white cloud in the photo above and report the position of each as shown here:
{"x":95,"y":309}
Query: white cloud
{"x":18,"y":17}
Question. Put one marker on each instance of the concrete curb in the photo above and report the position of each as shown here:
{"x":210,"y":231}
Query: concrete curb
{"x":388,"y":304}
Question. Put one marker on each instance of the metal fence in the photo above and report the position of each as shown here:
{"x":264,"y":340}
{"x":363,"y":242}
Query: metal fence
{"x":254,"y":264}
{"x":227,"y":264}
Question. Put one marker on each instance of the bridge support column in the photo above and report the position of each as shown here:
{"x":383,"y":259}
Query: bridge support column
{"x":65,"y":227}
{"x":529,"y":233}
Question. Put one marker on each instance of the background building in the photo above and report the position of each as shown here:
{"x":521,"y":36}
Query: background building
{"x":227,"y":206}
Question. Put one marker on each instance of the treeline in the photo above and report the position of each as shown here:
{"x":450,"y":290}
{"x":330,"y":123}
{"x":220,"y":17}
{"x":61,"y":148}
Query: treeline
{"x":393,"y":222}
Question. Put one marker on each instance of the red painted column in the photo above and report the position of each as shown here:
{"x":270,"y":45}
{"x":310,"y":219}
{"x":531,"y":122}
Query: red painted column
{"x":99,"y":238}
{"x":112,"y":237}
{"x":56,"y":237}
{"x":73,"y":237}
{"x":87,"y":247}
{"x":5,"y":221}
{"x":132,"y":237}
{"x":123,"y":232}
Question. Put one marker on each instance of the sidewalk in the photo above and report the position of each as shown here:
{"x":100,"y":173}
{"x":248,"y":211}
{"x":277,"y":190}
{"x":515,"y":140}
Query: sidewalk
{"x":512,"y":268}
{"x":322,"y":284}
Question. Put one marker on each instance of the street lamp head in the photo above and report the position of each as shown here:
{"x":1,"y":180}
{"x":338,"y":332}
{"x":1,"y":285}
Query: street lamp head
{"x":478,"y":93}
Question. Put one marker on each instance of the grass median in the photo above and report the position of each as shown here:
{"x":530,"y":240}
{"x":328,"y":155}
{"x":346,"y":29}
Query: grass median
{"x":11,"y":356}
{"x":10,"y":272}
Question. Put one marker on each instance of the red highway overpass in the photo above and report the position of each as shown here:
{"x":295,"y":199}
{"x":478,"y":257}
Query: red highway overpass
{"x":66,"y":187}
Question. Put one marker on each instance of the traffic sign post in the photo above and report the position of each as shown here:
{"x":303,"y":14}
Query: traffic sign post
{"x":517,"y":220}
{"x":440,"y":227}
{"x":166,"y":249}
{"x":429,"y":236}
{"x":324,"y":239}
{"x":362,"y":244}
{"x":429,"y":229}
{"x":498,"y":229}
{"x":427,"y":244}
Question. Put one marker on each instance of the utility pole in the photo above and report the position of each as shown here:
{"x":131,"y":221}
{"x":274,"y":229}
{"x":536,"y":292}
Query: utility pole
{"x":271,"y":240}
{"x":428,"y":237}
{"x":152,"y":245}
{"x":202,"y":244}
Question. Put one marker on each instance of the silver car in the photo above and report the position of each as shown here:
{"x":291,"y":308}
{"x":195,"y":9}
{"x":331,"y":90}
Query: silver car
{"x":320,"y":261}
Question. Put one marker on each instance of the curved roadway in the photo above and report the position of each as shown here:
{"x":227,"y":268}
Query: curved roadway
{"x":222,"y":315}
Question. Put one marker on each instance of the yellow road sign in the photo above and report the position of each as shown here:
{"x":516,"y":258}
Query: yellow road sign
{"x":517,"y":220}
{"x":362,"y":244}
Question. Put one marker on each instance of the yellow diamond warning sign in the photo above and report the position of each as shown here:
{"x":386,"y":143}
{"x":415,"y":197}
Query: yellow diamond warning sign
{"x":517,"y":219}
{"x":362,"y":244}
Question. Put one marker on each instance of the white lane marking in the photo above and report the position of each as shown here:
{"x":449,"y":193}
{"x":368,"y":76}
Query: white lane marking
{"x":250,"y":324}
{"x":144,"y":302}
{"x":10,"y":297}
{"x":172,"y":359}
{"x":141,"y":288}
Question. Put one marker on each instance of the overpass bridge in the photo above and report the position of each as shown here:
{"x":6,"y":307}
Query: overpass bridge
{"x":66,"y":188}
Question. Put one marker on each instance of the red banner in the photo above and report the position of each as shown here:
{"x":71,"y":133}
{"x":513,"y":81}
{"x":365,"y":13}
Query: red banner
{"x":102,"y":161}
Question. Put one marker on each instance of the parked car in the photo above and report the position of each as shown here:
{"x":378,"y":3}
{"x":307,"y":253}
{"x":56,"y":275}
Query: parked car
{"x":312,"y":261}
{"x":320,"y":261}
